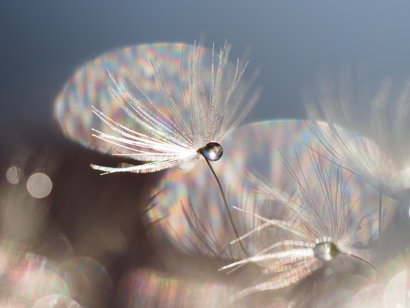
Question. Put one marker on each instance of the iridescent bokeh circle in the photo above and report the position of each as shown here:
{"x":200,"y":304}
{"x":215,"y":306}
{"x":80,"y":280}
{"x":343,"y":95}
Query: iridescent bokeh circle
{"x":137,"y":69}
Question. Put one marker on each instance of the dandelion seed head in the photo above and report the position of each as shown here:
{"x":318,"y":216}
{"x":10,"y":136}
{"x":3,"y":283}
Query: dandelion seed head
{"x":90,"y":86}
{"x":367,"y":132}
{"x":198,"y":188}
{"x":323,"y":226}
{"x":166,"y":128}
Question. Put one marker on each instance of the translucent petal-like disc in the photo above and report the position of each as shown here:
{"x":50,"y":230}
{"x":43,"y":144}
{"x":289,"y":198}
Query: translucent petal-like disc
{"x":90,"y":86}
{"x":254,"y":147}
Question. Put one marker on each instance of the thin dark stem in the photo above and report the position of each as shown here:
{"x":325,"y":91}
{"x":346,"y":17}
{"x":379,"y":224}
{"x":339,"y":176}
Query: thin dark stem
{"x":361,"y":259}
{"x":226,"y":206}
{"x":380,"y":211}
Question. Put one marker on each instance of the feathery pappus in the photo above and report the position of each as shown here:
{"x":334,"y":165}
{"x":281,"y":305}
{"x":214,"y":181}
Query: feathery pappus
{"x":214,"y":102}
{"x":177,"y":133}
{"x":369,"y":135}
{"x":319,"y":232}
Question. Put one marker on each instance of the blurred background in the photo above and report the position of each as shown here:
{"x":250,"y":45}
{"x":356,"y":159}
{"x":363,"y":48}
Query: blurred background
{"x":89,"y":229}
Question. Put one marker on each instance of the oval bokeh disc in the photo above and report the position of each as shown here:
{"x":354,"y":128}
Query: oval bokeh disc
{"x":91,"y":86}
{"x":252,"y":147}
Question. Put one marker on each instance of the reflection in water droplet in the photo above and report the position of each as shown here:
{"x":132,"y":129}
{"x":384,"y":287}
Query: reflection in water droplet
{"x":39,"y":185}
{"x":325,"y":251}
{"x":13,"y":175}
{"x":213,"y":151}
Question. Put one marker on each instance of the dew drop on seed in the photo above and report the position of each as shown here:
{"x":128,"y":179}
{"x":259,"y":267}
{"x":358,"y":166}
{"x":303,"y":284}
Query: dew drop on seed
{"x":325,"y":251}
{"x":213,"y":151}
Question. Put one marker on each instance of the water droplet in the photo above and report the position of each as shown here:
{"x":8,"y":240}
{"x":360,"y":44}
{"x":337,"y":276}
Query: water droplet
{"x":213,"y":151}
{"x":326,"y":251}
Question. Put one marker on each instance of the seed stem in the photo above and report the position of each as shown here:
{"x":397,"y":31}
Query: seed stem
{"x":361,"y":259}
{"x":226,"y":206}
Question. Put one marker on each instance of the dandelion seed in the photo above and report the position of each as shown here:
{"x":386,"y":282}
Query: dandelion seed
{"x":318,"y":234}
{"x":197,"y":188}
{"x":365,"y":141}
{"x":173,"y":138}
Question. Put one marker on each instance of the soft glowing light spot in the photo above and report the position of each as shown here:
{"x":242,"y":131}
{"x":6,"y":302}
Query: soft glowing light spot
{"x":39,"y":185}
{"x":146,"y":289}
{"x":395,"y":293}
{"x":328,"y":271}
{"x":34,"y":285}
{"x":13,"y":175}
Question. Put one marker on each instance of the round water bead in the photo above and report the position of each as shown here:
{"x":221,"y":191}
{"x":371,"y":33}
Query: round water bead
{"x":325,"y":251}
{"x":213,"y":151}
